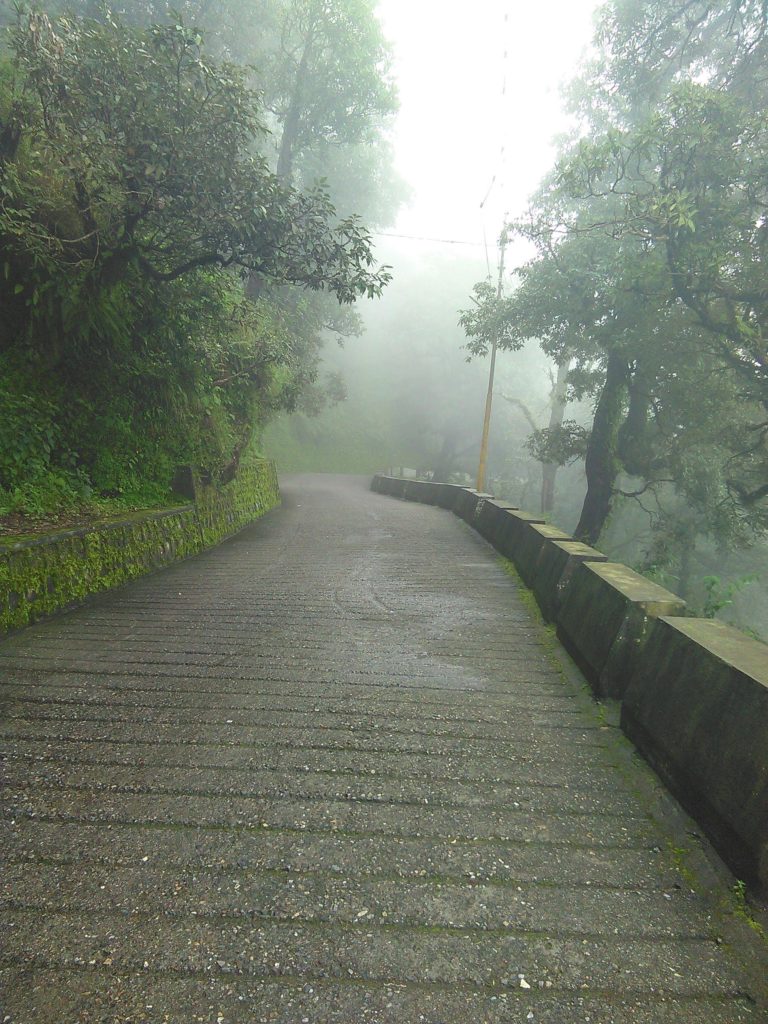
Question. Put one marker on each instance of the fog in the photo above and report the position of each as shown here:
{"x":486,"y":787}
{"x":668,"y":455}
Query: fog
{"x":302,"y":750}
{"x":480,"y":107}
{"x":481,"y":113}
{"x":199,"y":203}
{"x":413,"y":398}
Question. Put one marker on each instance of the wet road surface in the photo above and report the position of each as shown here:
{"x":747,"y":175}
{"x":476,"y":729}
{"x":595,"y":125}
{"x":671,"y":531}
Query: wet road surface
{"x":334,"y":771}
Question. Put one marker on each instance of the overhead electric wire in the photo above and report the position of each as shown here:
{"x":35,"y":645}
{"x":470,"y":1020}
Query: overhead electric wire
{"x":426,"y":238}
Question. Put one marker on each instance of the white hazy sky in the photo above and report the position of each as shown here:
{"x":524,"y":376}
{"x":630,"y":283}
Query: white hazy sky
{"x":454,"y":119}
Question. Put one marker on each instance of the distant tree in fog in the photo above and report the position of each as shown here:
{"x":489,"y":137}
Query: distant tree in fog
{"x":651,"y":236}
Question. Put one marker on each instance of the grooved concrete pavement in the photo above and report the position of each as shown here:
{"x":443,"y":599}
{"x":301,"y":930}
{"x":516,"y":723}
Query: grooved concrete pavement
{"x":332,"y":771}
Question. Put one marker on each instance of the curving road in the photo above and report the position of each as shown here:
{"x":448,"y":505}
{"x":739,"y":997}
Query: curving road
{"x":334,"y":771}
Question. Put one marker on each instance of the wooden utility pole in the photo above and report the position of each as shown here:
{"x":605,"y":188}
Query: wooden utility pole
{"x":489,"y":396}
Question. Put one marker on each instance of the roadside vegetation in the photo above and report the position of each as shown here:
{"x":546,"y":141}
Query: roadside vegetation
{"x":647,"y":286}
{"x":179,"y":229}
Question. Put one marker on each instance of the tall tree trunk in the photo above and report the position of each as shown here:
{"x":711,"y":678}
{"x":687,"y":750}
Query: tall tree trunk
{"x":633,"y":446}
{"x":290,"y":135}
{"x":601,"y":462}
{"x":556,"y":414}
{"x":548,"y":475}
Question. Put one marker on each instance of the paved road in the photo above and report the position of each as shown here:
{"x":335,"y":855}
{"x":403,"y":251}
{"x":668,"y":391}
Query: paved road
{"x":332,"y":771}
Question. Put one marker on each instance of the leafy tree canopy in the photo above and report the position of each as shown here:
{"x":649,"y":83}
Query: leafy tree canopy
{"x":650,"y":234}
{"x":136,"y":200}
{"x":149,"y":147}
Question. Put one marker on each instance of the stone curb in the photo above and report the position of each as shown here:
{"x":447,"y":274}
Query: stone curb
{"x":41,"y":576}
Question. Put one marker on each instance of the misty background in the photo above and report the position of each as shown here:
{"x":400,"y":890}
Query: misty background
{"x":481,"y":115}
{"x":274,"y":227}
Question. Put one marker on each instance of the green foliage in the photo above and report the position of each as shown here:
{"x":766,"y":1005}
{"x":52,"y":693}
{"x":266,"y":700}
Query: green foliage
{"x":164,"y":291}
{"x":28,"y":435}
{"x":720,"y":595}
{"x":742,"y":909}
{"x":561,"y":445}
{"x":329,"y":80}
{"x":319,"y":396}
{"x":651,"y":251}
{"x":321,"y":68}
{"x":135,"y":152}
{"x":39,"y":579}
{"x":37,"y":468}
{"x":489,"y":322}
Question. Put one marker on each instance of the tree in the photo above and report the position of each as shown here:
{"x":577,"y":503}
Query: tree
{"x":344,"y":159}
{"x":328,"y":80}
{"x":153,"y":162}
{"x":543,"y":442}
{"x":650,"y":238}
{"x":322,"y":71}
{"x":134,"y":201}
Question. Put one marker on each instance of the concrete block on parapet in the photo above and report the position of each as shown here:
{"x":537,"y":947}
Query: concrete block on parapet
{"x":696,"y":706}
{"x":426,"y":492}
{"x":448,"y":495}
{"x":431,"y":492}
{"x":468,"y":503}
{"x":605,"y":618}
{"x":383,"y":484}
{"x":532,"y":539}
{"x":509,"y":533}
{"x":392,"y":485}
{"x":489,"y":516}
{"x":557,"y":562}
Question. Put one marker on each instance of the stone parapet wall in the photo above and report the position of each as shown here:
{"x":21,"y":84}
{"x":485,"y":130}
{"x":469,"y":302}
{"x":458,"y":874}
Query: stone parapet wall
{"x":43,"y":575}
{"x":696,"y":706}
{"x":604,"y":620}
{"x":221,"y":512}
{"x":694,"y":692}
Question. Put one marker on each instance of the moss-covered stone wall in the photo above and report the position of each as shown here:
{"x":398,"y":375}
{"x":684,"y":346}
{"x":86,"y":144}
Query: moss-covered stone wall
{"x":42,"y":575}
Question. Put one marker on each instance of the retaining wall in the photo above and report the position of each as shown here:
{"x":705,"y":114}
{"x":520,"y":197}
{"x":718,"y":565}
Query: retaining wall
{"x":694,"y":691}
{"x":697,"y":708}
{"x":43,"y":575}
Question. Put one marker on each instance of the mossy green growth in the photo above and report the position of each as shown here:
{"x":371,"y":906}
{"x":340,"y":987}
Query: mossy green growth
{"x":742,"y":909}
{"x":42,"y":575}
{"x":222,"y":511}
{"x":525,"y":594}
